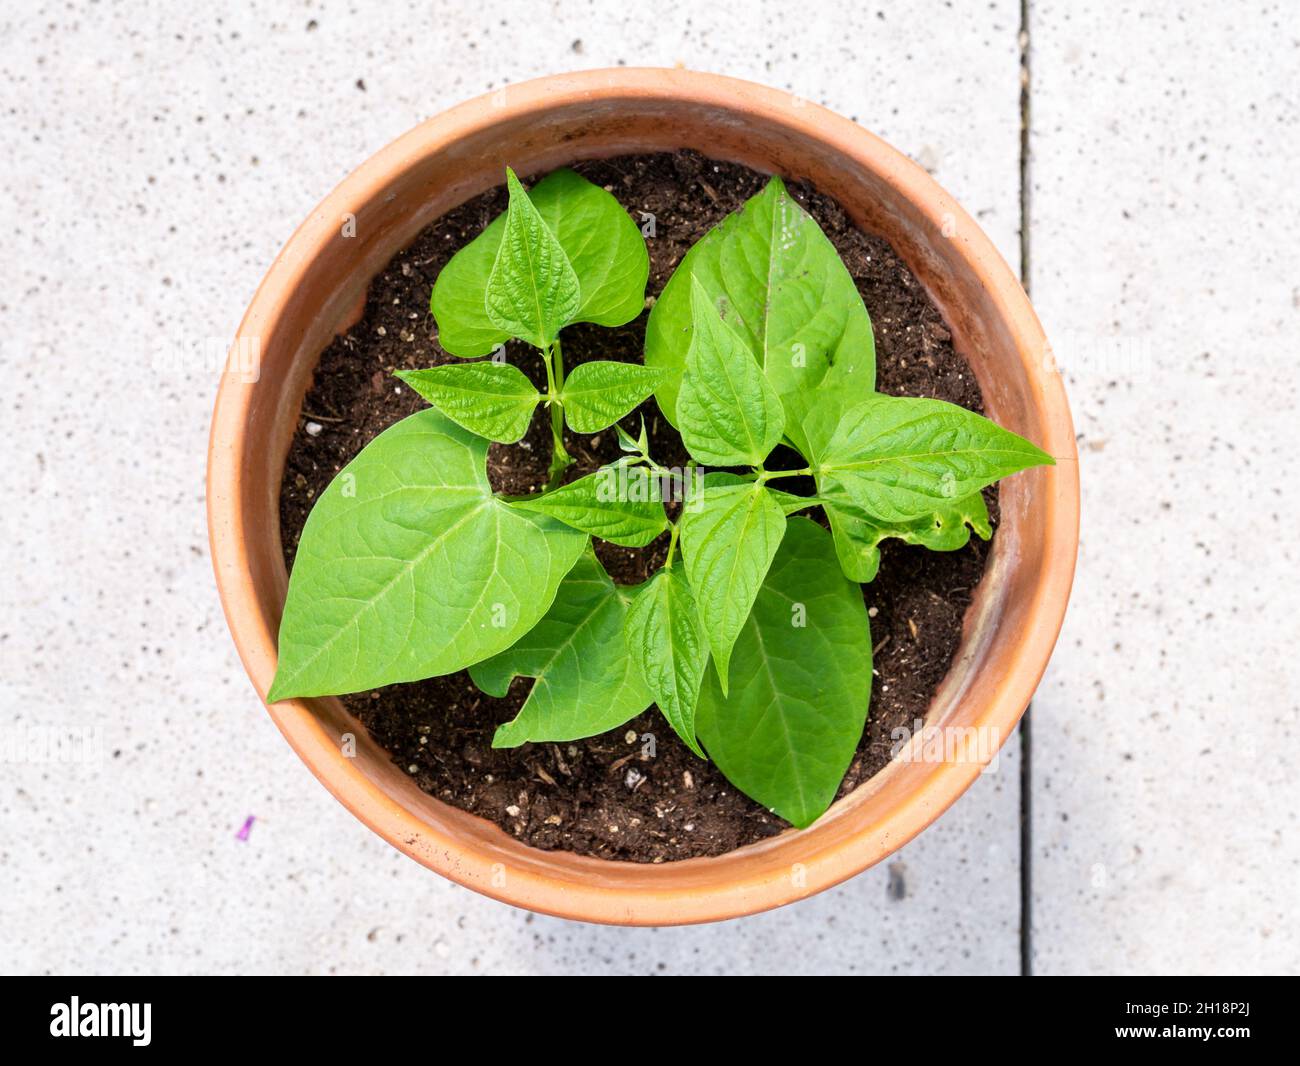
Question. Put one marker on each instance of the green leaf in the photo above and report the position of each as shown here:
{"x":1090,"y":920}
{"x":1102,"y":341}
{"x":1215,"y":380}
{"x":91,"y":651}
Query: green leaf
{"x":619,"y":504}
{"x":602,"y":242}
{"x":729,"y":535}
{"x":800,"y":683}
{"x":900,"y":459}
{"x":781,"y":286}
{"x":494,"y":400}
{"x":409,"y":567}
{"x":633,"y":445}
{"x":666,"y":637}
{"x":586,"y":681}
{"x":858,"y":535}
{"x":603,"y":245}
{"x":599,"y":393}
{"x":788,"y":502}
{"x":532,"y":290}
{"x":728,"y":413}
{"x":791,"y":504}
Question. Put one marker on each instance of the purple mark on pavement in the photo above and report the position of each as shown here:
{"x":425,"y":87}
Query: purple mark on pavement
{"x":248,"y":825}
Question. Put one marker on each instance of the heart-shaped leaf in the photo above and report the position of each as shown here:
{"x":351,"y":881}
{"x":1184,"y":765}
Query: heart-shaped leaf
{"x":409,"y":567}
{"x":599,"y":393}
{"x":666,"y":637}
{"x":620,"y":504}
{"x":800,"y":683}
{"x":586,"y":681}
{"x":728,"y":413}
{"x":730,"y":532}
{"x":901,"y":458}
{"x":780,"y":285}
{"x":603,"y":246}
{"x":532,"y":289}
{"x":494,"y":400}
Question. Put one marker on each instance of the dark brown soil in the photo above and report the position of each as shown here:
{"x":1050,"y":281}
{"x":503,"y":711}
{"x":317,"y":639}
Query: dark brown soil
{"x":606,"y":796}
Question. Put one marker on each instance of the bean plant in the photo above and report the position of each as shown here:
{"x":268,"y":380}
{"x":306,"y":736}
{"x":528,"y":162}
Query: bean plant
{"x":752,"y":639}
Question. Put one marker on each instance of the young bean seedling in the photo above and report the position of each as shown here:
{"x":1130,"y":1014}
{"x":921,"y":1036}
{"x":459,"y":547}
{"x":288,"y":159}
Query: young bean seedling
{"x":753,"y":638}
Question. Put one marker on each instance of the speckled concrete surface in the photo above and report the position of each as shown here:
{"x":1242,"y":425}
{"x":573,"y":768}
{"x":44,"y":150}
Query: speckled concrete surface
{"x":1163,"y":262}
{"x":156,"y":158}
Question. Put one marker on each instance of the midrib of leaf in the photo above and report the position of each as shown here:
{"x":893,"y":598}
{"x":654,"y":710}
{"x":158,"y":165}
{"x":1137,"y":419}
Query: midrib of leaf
{"x":388,"y":585}
{"x":751,"y":511}
{"x":775,"y":707}
{"x":587,"y":392}
{"x":768,"y":302}
{"x":670,"y":656}
{"x":735,"y":555}
{"x":532,"y":274}
{"x":910,"y":424}
{"x":682,"y":717}
{"x":767,"y":295}
{"x":911,"y":457}
{"x":476,"y":394}
{"x":496,"y":558}
{"x":735,"y":396}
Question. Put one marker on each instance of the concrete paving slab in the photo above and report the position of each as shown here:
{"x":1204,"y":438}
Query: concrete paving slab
{"x":1163,"y":262}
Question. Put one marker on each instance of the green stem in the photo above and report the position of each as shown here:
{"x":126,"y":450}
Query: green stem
{"x":560,"y":459}
{"x":559,"y":365}
{"x":550,"y":374}
{"x":655,"y":468}
{"x":672,"y":546}
{"x":772,"y":475}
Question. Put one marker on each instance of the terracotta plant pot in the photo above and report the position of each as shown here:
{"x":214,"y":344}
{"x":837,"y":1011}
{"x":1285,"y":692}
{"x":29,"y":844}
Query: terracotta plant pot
{"x":316,"y":288}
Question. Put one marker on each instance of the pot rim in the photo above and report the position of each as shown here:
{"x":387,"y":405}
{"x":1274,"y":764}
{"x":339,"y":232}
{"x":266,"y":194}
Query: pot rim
{"x":596,"y":897}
